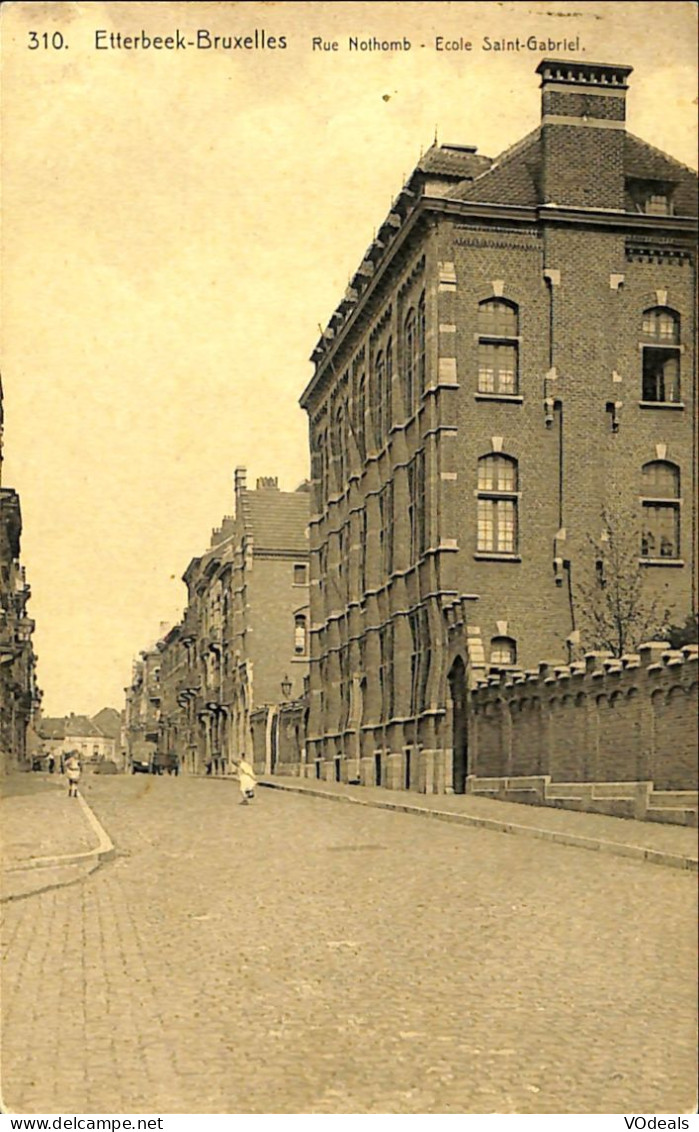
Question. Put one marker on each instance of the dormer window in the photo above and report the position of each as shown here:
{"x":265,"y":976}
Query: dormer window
{"x":657,"y":204}
{"x":654,"y":198}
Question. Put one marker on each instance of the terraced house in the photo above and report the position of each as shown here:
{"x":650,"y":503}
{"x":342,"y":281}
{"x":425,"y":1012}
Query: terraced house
{"x":512,"y":361}
{"x":20,"y":697}
{"x":242,"y":645}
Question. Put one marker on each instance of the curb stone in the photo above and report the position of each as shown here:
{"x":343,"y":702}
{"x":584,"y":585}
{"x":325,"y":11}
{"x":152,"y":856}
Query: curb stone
{"x":104,"y":851}
{"x":576,"y":840}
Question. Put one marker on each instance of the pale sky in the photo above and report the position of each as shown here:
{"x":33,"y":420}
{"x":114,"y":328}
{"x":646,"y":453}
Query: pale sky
{"x":176,"y":224}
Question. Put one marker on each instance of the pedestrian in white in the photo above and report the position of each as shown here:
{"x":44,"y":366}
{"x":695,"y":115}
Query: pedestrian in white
{"x":246,"y":780}
{"x":73,"y":769}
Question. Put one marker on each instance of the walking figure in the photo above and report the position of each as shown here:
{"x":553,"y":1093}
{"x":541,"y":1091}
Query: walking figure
{"x":246,"y":780}
{"x":73,"y":773}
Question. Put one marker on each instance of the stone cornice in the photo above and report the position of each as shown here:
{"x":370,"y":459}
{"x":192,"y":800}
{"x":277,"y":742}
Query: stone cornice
{"x":626,"y":223}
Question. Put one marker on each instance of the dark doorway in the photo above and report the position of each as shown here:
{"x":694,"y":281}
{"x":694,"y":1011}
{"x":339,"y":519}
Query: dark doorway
{"x":457,"y":692}
{"x":338,"y":770}
{"x":377,"y":765}
{"x":407,"y":770}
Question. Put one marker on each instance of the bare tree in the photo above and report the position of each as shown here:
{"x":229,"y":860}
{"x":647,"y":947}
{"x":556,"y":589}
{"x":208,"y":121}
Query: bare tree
{"x":614,"y":613}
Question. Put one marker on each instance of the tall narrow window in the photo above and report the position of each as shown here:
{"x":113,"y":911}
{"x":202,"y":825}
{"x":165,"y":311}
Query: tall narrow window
{"x":379,"y":398}
{"x":340,"y":446}
{"x":323,"y":568}
{"x":420,"y":345}
{"x":497,"y":505}
{"x":323,"y":467}
{"x":425,"y":657}
{"x":360,"y":416}
{"x":417,"y":507}
{"x":343,"y":563}
{"x":410,"y":360}
{"x":386,"y":531}
{"x":414,"y":620}
{"x":388,"y":389}
{"x":319,"y":458}
{"x":386,"y":643}
{"x":660,"y":520}
{"x":661,"y":355}
{"x":344,"y":687}
{"x":300,"y":635}
{"x":363,"y":535}
{"x":498,"y":348}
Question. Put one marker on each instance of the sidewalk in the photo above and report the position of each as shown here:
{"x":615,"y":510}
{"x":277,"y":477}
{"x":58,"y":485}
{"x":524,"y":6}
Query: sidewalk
{"x":674,"y":846}
{"x":48,"y":839}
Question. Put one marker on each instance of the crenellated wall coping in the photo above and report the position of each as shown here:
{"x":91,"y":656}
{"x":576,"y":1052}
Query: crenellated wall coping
{"x":598,"y":672}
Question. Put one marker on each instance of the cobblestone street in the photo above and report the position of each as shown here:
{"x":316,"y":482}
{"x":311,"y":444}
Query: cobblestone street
{"x":300,"y":956}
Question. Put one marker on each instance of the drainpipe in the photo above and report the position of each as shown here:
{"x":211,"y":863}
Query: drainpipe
{"x":271,"y":716}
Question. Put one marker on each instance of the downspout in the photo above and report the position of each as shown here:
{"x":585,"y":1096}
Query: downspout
{"x":271,"y":717}
{"x":553,"y":407}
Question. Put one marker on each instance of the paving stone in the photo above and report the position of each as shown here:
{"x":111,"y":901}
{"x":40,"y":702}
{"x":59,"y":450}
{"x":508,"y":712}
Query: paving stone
{"x":298,"y":957}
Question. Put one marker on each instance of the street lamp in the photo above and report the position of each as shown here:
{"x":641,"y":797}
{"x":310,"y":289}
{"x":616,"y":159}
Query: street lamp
{"x":286,"y":688}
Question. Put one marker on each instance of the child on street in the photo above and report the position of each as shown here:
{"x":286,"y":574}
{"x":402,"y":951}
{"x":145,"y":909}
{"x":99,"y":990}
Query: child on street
{"x":73,"y":774}
{"x":246,"y":780}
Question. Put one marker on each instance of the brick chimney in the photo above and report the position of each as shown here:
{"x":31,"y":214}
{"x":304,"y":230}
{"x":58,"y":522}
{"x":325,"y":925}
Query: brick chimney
{"x":583,"y":121}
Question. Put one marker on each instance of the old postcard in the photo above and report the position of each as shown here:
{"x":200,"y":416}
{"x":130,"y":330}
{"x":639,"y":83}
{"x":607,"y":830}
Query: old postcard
{"x":348,"y":404}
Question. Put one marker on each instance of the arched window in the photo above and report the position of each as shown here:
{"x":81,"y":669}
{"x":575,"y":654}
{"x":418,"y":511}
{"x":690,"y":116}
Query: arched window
{"x":503,"y":652}
{"x":410,"y":340}
{"x":660,"y":504}
{"x":300,"y":635}
{"x":319,"y":467}
{"x":661,"y":355}
{"x":388,"y":388}
{"x":498,"y":348}
{"x":497,"y":505}
{"x":360,"y":416}
{"x":340,"y":446}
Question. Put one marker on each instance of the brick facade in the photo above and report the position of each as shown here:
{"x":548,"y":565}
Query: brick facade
{"x":513,"y":356}
{"x":20,"y":697}
{"x":243,"y":640}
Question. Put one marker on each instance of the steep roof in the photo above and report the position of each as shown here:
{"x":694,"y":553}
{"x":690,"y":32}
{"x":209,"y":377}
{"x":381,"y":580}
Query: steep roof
{"x":515,"y":176}
{"x":458,"y":161}
{"x":79,"y":725}
{"x":643,"y":162}
{"x":277,"y":520}
{"x":108,"y":720}
{"x":51,"y":728}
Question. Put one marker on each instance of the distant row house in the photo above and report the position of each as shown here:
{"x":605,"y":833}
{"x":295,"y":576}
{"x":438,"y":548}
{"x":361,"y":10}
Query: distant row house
{"x":20,"y":697}
{"x":210,"y":690}
{"x":95,"y":740}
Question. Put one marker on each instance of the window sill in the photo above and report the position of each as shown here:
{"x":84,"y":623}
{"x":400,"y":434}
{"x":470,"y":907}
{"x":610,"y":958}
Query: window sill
{"x":512,"y":398}
{"x":661,"y":561}
{"x":495,"y":556}
{"x":661,"y":405}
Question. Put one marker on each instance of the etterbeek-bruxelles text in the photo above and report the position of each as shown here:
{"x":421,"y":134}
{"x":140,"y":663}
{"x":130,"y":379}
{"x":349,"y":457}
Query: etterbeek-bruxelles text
{"x":260,"y":40}
{"x":202,"y":40}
